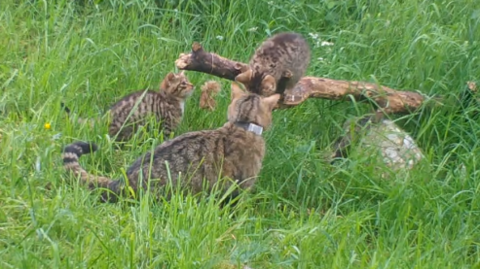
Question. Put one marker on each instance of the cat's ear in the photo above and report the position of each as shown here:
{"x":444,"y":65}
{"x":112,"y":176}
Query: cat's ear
{"x":170,"y":76}
{"x":237,"y":92}
{"x":244,"y":77}
{"x":271,"y":101}
{"x":182,"y":73}
{"x":268,"y":85}
{"x":176,"y":78}
{"x":167,"y":80}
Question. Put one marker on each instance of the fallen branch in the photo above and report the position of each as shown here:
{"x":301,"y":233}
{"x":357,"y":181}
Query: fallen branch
{"x":209,"y":63}
{"x":390,"y":100}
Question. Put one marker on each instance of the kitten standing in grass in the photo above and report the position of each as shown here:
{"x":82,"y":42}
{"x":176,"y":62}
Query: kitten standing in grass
{"x":277,"y":65}
{"x":234,"y":151}
{"x":166,"y":105}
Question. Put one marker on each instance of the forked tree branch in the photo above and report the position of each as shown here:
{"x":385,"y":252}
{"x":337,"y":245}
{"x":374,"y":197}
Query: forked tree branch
{"x":390,"y":100}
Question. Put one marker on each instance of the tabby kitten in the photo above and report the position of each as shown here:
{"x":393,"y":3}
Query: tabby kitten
{"x":277,"y":65}
{"x":166,"y":105}
{"x":234,"y":151}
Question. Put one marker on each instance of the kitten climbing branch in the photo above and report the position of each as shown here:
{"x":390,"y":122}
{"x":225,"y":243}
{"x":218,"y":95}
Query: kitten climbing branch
{"x":390,"y":100}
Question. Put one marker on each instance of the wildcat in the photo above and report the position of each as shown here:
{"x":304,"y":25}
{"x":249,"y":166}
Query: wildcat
{"x":234,"y":151}
{"x":277,"y":65}
{"x":166,"y":105}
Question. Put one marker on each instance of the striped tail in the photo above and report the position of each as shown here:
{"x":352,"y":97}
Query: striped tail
{"x":70,"y":156}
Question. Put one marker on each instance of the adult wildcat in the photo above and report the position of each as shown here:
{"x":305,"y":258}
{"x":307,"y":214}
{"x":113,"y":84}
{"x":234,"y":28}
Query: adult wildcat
{"x":234,"y":151}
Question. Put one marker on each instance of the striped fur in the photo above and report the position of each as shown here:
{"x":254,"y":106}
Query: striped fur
{"x":166,"y":105}
{"x":230,"y":151}
{"x":277,"y":65}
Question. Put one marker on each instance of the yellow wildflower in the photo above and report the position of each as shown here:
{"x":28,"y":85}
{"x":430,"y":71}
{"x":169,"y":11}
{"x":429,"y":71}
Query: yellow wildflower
{"x":47,"y":126}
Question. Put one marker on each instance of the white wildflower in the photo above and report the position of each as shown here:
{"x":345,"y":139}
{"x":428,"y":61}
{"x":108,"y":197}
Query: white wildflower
{"x":253,"y":29}
{"x":323,"y":60}
{"x":219,"y":37}
{"x":326,"y":43}
{"x":313,"y":35}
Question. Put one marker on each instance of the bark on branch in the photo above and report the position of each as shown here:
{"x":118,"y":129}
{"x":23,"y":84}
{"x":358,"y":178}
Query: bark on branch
{"x":390,"y":100}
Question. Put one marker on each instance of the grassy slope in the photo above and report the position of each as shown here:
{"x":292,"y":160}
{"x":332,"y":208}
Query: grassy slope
{"x":305,"y":213}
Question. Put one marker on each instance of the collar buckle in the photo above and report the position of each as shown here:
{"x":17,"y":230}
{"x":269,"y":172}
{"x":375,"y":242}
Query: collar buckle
{"x":251,"y":127}
{"x":255,"y":128}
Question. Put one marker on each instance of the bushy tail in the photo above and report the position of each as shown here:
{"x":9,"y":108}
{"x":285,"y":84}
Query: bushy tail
{"x":91,"y":122}
{"x":70,"y":156}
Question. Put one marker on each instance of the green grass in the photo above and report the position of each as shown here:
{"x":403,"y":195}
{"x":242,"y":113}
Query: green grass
{"x":304,"y":213}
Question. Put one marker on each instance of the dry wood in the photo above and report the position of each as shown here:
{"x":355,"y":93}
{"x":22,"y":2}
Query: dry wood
{"x":390,"y":100}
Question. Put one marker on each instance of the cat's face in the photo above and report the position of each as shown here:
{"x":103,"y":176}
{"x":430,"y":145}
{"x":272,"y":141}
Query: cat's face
{"x":249,"y":107}
{"x":177,"y":85}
